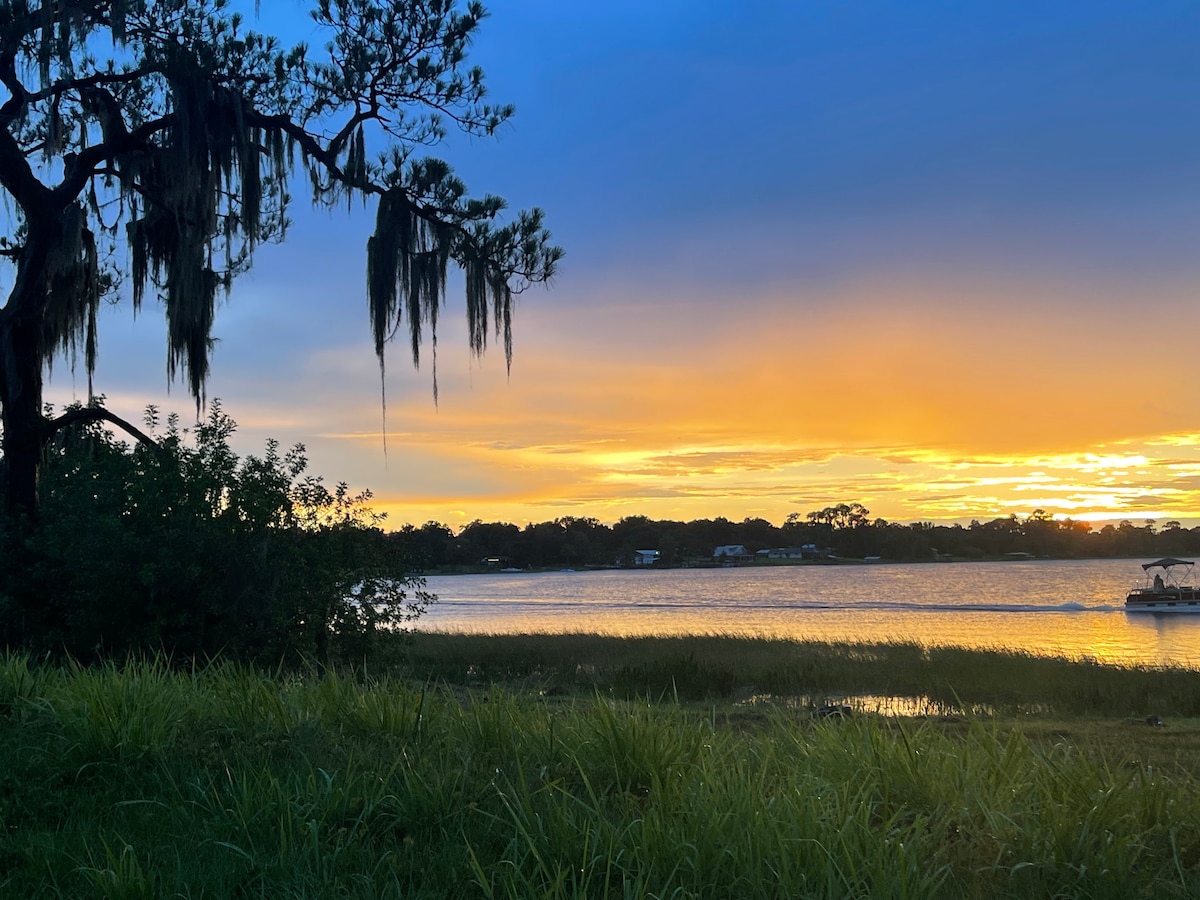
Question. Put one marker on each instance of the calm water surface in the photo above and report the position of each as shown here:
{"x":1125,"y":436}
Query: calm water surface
{"x":1073,"y":608}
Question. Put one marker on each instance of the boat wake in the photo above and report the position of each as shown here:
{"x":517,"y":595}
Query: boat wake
{"x":902,"y":606}
{"x":787,"y":605}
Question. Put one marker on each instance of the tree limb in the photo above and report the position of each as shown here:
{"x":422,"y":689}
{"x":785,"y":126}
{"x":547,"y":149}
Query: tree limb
{"x":308,"y":145}
{"x":87,"y":160}
{"x":99,"y":79}
{"x":86,"y":414}
{"x":11,"y":110}
{"x":16,"y":176}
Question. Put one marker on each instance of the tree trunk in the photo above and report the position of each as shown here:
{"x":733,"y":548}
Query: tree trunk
{"x":22,"y":358}
{"x":29,"y":610}
{"x":21,"y":414}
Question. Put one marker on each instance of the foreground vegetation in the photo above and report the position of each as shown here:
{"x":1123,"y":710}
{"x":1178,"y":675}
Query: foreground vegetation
{"x":140,"y":780}
{"x":177,"y":544}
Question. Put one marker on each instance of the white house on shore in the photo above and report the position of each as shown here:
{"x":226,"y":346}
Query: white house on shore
{"x":784,"y":553}
{"x":645,"y":557}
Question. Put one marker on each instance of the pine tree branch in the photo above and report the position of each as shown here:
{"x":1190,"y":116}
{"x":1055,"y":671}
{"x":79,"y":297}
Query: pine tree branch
{"x":81,"y":167}
{"x":100,"y":79}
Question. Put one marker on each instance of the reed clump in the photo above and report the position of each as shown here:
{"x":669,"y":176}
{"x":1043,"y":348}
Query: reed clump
{"x":143,"y":780}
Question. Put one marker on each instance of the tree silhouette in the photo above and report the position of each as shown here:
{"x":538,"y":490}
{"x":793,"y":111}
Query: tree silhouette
{"x":161,"y":167}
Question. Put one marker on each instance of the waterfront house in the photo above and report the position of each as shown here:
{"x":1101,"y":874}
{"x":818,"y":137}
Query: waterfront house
{"x":645,"y":557}
{"x":784,"y":553}
{"x":730,"y":554}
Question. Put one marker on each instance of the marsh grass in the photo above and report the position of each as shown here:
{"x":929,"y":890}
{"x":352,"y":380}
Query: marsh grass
{"x":733,"y":667}
{"x":143,"y":780}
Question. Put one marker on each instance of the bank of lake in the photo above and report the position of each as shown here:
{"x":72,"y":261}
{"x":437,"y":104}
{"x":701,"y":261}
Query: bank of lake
{"x":584,"y":766}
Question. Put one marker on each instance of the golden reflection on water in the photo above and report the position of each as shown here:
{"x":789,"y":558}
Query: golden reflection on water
{"x":864,"y":703}
{"x":1059,"y":608}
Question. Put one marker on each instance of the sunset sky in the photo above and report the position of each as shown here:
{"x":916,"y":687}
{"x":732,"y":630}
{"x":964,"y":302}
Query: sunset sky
{"x":938,"y":258}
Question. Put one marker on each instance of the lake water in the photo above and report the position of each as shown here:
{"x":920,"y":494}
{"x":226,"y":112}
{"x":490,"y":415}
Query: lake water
{"x":1069,"y":608}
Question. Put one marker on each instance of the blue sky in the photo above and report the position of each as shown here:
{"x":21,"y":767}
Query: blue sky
{"x":919,"y":255}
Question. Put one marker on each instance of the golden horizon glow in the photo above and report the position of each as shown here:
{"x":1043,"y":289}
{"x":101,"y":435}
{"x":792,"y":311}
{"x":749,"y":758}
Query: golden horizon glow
{"x":924,"y":402}
{"x":906,"y":403}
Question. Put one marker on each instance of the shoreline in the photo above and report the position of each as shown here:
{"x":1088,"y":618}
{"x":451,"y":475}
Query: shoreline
{"x":764,"y":564}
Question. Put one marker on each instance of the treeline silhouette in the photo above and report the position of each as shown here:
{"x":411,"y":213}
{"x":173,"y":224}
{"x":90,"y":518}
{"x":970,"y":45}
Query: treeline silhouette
{"x":845,"y":531}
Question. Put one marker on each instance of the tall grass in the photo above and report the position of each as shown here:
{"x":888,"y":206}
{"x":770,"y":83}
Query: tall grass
{"x":144,"y":781}
{"x":730,"y":667}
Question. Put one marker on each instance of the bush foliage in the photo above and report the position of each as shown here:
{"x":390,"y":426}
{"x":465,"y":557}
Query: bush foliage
{"x":179,"y":545}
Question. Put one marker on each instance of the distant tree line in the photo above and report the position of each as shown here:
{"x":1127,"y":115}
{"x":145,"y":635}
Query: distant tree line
{"x":842,"y":531}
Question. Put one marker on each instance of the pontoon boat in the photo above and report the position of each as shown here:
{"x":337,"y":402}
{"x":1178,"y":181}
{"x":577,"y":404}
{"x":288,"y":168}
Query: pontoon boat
{"x":1168,"y":588}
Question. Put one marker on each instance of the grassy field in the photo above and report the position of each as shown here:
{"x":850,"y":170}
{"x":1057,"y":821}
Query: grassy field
{"x":577,"y":766}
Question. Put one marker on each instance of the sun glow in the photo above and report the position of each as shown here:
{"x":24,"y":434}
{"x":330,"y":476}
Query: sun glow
{"x":903,"y":396}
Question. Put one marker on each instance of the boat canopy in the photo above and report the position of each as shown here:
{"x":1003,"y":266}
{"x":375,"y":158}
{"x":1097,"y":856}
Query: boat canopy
{"x":1165,"y":563}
